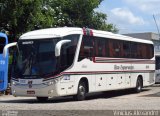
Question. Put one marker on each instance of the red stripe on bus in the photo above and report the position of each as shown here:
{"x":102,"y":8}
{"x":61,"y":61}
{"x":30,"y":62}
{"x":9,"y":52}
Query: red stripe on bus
{"x":109,"y":60}
{"x":99,"y":72}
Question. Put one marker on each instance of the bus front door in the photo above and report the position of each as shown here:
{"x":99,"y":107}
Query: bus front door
{"x":3,"y":63}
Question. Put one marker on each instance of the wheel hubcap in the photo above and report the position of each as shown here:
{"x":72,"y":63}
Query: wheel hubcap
{"x":139,"y":86}
{"x":82,"y":90}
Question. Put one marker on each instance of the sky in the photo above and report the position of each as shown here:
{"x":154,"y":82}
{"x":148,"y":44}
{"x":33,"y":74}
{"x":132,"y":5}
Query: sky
{"x":132,"y":16}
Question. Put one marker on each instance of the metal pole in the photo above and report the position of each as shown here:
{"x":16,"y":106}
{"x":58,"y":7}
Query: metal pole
{"x":156,"y":25}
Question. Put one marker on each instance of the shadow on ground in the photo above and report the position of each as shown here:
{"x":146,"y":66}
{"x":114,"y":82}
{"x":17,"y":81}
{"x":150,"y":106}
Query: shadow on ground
{"x":91,"y":96}
{"x":152,"y":95}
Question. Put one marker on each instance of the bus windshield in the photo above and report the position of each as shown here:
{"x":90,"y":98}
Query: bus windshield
{"x":36,"y":58}
{"x":2,"y":44}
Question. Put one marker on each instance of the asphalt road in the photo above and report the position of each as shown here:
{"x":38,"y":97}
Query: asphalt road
{"x":96,"y":104}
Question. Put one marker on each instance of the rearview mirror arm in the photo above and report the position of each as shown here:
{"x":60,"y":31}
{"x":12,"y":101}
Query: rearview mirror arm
{"x":5,"y":49}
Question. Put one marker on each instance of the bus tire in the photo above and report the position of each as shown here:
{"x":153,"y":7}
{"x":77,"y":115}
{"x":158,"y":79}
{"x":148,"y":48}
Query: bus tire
{"x":42,"y":99}
{"x":139,"y":85}
{"x":82,"y":90}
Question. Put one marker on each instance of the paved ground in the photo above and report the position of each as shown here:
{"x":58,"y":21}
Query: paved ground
{"x":148,"y":99}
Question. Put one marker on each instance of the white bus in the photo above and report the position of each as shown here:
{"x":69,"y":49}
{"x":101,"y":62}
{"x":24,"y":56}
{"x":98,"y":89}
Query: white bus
{"x":75,"y":61}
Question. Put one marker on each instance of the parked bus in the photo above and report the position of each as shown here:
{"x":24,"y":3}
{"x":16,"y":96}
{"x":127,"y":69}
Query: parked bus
{"x":3,"y":63}
{"x":75,"y":61}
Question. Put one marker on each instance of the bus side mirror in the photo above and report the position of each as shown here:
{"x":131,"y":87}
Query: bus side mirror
{"x":59,"y":45}
{"x":5,"y":49}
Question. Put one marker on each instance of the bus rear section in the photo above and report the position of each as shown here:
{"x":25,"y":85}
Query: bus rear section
{"x":3,"y":63}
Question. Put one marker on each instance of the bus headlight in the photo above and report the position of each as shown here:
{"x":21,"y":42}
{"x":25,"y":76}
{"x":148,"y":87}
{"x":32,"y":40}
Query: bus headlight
{"x":14,"y":83}
{"x":14,"y":91}
{"x":56,"y":80}
{"x":49,"y":83}
{"x":50,"y":91}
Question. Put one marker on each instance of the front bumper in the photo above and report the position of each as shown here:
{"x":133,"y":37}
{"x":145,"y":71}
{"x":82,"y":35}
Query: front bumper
{"x":35,"y":90}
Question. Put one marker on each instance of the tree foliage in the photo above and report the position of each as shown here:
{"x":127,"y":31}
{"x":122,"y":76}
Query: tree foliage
{"x":19,"y":16}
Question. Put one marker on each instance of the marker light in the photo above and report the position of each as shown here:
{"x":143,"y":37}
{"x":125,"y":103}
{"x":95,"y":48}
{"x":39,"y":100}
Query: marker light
{"x":87,"y":31}
{"x":84,"y":31}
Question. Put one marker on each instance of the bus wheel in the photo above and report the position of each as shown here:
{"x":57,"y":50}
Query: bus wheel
{"x":82,"y":90}
{"x":139,"y":85}
{"x":42,"y":99}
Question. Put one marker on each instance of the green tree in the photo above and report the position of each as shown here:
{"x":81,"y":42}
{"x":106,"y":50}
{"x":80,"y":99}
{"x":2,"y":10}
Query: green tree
{"x":19,"y":16}
{"x":99,"y":22}
{"x":80,"y":13}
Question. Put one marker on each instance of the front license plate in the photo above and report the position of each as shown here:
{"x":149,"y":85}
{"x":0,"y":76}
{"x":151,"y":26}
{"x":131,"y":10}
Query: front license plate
{"x":30,"y":92}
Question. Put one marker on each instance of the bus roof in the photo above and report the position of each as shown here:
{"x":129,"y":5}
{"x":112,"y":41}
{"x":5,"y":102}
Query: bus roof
{"x":63,"y":31}
{"x":51,"y":33}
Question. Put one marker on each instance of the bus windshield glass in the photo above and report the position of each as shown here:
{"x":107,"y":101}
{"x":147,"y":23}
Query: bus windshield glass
{"x":36,"y":58}
{"x":2,"y":44}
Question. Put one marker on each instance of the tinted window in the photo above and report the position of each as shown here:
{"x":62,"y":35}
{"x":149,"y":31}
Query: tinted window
{"x":134,"y":50}
{"x":2,"y":44}
{"x":126,"y":49}
{"x":106,"y":47}
{"x":86,"y":50}
{"x":101,"y":47}
{"x":37,"y":57}
{"x":150,"y":51}
{"x":157,"y":63}
{"x":115,"y":48}
{"x":68,"y":51}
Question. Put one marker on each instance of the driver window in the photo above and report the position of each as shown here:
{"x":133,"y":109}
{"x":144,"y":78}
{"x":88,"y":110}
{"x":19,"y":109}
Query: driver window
{"x":86,"y":50}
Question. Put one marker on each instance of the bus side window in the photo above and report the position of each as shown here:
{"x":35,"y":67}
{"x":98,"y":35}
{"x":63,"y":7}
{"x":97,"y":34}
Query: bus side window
{"x":157,"y":62}
{"x":115,"y":49}
{"x":2,"y":44}
{"x":144,"y":52}
{"x":134,"y":50}
{"x":118,"y":49}
{"x":111,"y":49}
{"x":100,"y":47}
{"x":150,"y":51}
{"x":86,"y":50}
{"x":126,"y":49}
{"x":68,"y":50}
